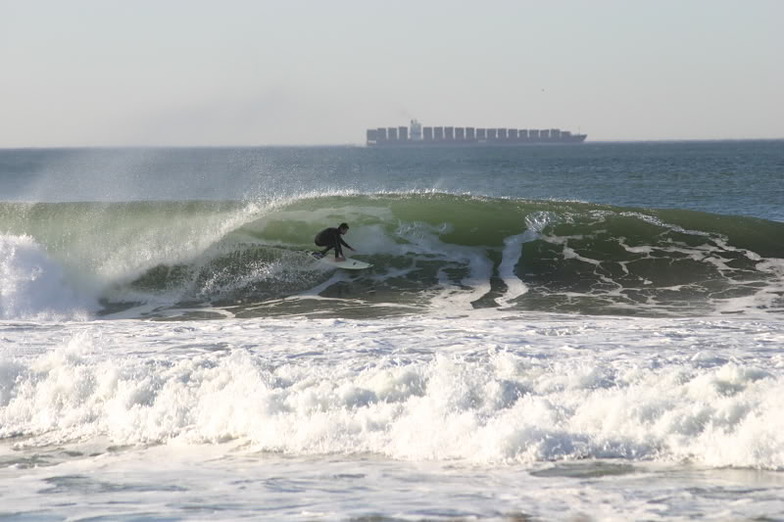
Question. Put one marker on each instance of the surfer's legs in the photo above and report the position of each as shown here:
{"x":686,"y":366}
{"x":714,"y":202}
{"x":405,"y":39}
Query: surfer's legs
{"x":321,"y":244}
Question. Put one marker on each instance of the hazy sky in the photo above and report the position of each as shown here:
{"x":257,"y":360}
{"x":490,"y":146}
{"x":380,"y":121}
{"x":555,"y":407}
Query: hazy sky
{"x":255,"y":72}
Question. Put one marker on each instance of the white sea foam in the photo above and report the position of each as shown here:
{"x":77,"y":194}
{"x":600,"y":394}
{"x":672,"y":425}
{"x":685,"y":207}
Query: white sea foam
{"x":456,"y":292}
{"x":506,"y":270}
{"x":559,"y":414}
{"x":481,"y":391}
{"x":35,"y":286}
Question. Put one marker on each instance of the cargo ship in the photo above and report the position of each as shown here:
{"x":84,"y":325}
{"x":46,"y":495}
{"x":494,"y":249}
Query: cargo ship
{"x":416,"y":134}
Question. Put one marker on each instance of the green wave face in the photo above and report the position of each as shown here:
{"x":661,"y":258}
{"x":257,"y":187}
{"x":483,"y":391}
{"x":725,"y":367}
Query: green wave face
{"x":429,"y":251}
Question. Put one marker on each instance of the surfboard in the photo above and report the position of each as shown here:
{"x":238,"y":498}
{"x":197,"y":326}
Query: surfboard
{"x":346,"y":264}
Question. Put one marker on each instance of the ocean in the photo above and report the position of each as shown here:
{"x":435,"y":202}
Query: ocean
{"x":582,"y":332}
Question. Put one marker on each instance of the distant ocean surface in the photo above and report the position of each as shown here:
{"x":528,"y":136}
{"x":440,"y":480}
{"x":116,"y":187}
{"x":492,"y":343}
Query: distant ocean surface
{"x":578,"y":332}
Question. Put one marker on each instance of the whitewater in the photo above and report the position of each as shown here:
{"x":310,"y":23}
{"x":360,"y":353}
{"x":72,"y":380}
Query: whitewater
{"x":586,"y":332}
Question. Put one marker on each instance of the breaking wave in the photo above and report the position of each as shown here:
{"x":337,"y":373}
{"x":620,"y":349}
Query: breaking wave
{"x":430,"y":251}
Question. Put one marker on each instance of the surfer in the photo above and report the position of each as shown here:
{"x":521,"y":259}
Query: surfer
{"x":331,"y":238}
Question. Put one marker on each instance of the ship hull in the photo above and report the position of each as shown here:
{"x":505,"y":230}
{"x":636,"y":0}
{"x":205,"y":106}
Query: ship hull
{"x":575,"y":139}
{"x":418,"y":136}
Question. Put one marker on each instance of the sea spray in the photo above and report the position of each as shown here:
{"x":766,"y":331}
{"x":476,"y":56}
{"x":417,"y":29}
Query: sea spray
{"x":33,"y":286}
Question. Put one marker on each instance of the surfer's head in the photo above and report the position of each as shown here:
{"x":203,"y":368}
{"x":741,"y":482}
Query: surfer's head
{"x":343,"y":228}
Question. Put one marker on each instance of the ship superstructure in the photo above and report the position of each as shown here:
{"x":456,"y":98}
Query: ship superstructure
{"x":416,"y":134}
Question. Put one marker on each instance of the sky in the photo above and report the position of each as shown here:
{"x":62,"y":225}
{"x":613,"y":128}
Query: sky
{"x":297,"y":72}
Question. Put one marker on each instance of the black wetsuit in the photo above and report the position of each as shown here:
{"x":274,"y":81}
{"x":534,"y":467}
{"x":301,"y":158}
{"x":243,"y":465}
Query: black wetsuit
{"x":331,"y":238}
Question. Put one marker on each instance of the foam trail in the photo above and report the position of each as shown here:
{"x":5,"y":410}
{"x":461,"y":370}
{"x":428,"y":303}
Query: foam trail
{"x":509,"y":258}
{"x":456,"y":292}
